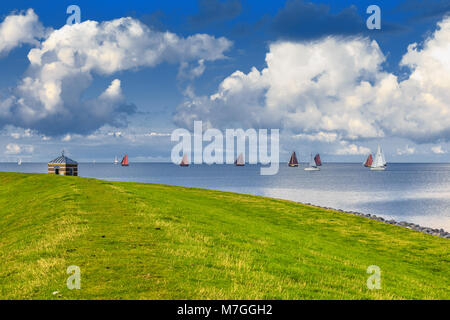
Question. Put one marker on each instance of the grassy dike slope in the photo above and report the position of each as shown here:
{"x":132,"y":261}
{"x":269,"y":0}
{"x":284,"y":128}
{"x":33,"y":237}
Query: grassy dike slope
{"x":144,"y":241}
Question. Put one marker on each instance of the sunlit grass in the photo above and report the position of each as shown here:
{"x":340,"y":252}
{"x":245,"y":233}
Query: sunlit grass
{"x":143,"y":241}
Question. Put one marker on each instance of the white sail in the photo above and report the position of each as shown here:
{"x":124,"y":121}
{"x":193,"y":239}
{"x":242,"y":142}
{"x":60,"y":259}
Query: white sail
{"x":379,"y":160}
{"x":383,"y":159}
{"x":312,"y":163}
{"x":240,"y":160}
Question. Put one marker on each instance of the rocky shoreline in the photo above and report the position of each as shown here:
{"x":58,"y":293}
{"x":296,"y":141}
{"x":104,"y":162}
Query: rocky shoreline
{"x":434,"y":232}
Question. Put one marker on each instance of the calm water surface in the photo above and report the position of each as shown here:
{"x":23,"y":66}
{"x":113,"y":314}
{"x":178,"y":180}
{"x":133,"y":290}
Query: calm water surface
{"x":418,"y":193}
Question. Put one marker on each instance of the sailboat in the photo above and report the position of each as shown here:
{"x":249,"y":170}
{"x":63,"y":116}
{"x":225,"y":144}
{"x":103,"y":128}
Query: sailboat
{"x":379,"y":162}
{"x":317,"y":160}
{"x":184,"y":162}
{"x":116,"y":161}
{"x":369,"y":161}
{"x":293,"y":162}
{"x":312,"y":165}
{"x":124,"y":162}
{"x":19,"y":162}
{"x":240,"y":160}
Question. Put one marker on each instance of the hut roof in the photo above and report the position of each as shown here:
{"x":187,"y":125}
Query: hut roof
{"x":63,"y":159}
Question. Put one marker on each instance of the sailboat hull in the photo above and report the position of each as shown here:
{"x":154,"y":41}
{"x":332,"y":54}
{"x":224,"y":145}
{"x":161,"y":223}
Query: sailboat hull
{"x":312,"y":169}
{"x":293,"y":165}
{"x":378,"y":168}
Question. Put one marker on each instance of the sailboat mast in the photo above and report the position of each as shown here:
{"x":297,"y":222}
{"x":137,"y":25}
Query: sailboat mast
{"x":311,"y":161}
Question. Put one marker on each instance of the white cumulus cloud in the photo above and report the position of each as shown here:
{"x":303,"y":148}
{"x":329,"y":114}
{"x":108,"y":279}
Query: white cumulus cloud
{"x":407,"y":150}
{"x":18,"y":29}
{"x":319,"y":136}
{"x":48,"y":99}
{"x":14,"y":149}
{"x":438,"y":150}
{"x":351,"y":149}
{"x":337,"y":87}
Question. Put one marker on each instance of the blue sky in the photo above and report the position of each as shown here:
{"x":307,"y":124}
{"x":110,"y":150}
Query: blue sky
{"x":154,"y":97}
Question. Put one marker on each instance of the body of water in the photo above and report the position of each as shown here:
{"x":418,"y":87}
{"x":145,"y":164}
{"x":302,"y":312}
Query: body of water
{"x":418,"y":193}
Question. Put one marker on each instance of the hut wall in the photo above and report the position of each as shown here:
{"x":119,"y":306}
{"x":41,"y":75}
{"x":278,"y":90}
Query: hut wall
{"x":63,"y":169}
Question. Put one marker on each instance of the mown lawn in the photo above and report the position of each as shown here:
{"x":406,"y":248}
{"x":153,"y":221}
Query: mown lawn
{"x":146,"y":241}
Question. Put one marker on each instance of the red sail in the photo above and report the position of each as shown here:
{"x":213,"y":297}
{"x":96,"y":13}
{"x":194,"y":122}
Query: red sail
{"x":368,"y":161}
{"x":317,"y":160}
{"x":184,"y":162}
{"x":125,"y":161}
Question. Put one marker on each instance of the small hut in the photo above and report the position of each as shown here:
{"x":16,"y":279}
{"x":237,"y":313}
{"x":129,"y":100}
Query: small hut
{"x":63,"y":166}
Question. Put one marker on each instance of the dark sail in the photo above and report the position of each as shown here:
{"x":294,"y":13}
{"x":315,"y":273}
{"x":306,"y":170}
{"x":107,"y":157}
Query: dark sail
{"x":317,"y":160}
{"x":293,"y":162}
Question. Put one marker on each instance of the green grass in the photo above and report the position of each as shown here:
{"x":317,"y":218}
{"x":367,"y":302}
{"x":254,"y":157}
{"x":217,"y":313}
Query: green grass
{"x":146,"y":241}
